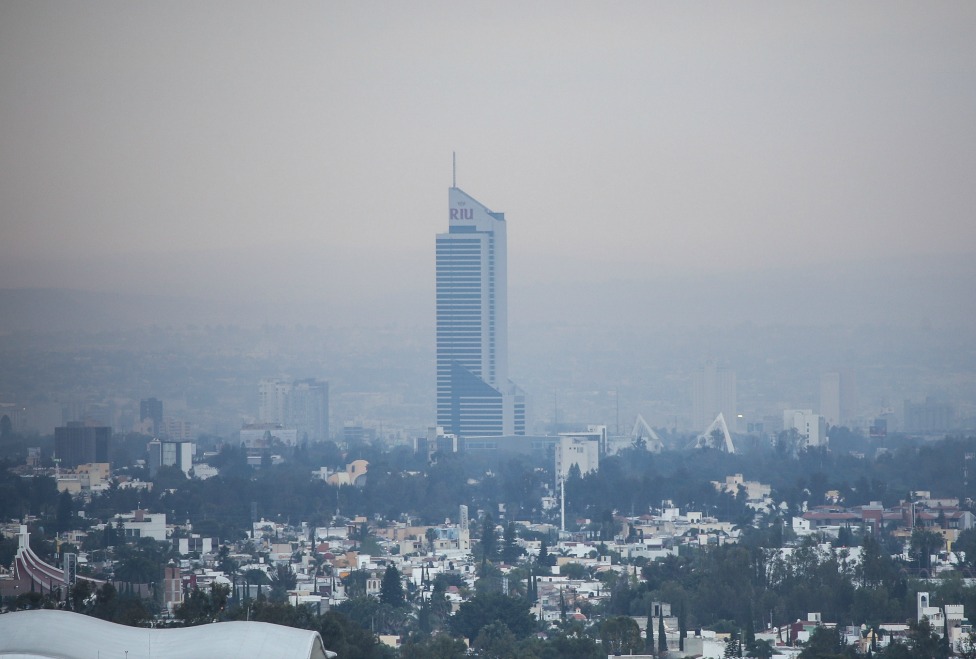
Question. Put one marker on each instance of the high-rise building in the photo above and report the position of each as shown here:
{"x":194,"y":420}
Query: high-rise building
{"x":838,"y":398}
{"x":307,"y":409}
{"x":812,"y":428}
{"x":170,"y":454}
{"x":151,"y":409}
{"x":302,"y":405}
{"x":576,"y":449}
{"x":934,"y":416}
{"x":272,"y":394}
{"x":475,"y":398}
{"x":78,"y":443}
{"x":713,"y":392}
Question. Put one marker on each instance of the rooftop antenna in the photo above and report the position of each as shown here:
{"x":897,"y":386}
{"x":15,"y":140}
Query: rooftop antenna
{"x":453,"y":169}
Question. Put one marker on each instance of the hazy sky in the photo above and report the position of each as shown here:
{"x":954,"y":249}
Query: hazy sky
{"x":304,"y":149}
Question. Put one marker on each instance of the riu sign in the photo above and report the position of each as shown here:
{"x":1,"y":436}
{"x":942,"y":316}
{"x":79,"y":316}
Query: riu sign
{"x":462,"y":213}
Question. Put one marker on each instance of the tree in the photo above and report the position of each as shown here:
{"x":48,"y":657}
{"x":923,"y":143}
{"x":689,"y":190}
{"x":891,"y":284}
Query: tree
{"x":510,"y":549}
{"x":65,"y":512}
{"x":682,"y":624}
{"x":142,"y":561}
{"x":824,"y":643}
{"x":925,"y":641}
{"x":662,"y":639}
{"x":440,"y":607}
{"x":362,"y":610}
{"x":875,"y":566}
{"x":496,"y":641}
{"x":106,"y":599}
{"x":573,"y":571}
{"x":762,"y":649}
{"x":923,"y":544}
{"x":226,"y":564}
{"x":649,"y":644}
{"x":169,"y":477}
{"x":750,"y":635}
{"x":438,"y":646}
{"x":544,"y":557}
{"x":731,"y":646}
{"x":391,"y":590}
{"x":966,"y":543}
{"x":485,"y":608}
{"x":967,"y":646}
{"x":347,"y":639}
{"x":80,"y":593}
{"x":896,"y":650}
{"x":32,"y":600}
{"x":284,"y":580}
{"x":355,"y":583}
{"x":489,"y":541}
{"x":200,"y":608}
{"x":620,"y":635}
{"x":845,"y":538}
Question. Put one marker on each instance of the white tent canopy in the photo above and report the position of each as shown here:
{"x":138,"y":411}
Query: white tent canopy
{"x":49,"y":634}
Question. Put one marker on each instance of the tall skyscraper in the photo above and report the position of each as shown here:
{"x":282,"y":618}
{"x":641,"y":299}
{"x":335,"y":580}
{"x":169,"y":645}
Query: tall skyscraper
{"x":475,"y":398}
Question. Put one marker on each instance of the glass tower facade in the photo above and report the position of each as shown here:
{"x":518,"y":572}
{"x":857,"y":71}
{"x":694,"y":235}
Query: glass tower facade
{"x":474,"y":395}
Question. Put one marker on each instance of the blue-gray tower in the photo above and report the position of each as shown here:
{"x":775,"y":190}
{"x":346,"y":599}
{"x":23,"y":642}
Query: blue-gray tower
{"x":475,"y":398}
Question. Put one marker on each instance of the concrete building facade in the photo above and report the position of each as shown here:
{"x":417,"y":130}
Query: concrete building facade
{"x":78,"y":443}
{"x":302,"y":405}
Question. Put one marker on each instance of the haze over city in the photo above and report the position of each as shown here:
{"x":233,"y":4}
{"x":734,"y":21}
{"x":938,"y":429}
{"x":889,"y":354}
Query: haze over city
{"x":668,"y":163}
{"x":400,"y":330}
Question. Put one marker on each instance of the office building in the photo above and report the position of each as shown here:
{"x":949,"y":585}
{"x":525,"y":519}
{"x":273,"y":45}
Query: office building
{"x":838,"y":398}
{"x":301,"y":405}
{"x":164,"y":453}
{"x":142,"y":524}
{"x":713,"y":392}
{"x":577,"y":449}
{"x":307,"y":409}
{"x":475,"y":398}
{"x":595,"y":434}
{"x":78,"y":443}
{"x":931,"y":416}
{"x":179,"y":430}
{"x":812,"y":428}
{"x":151,"y":409}
{"x":272,"y":393}
{"x":265,"y":435}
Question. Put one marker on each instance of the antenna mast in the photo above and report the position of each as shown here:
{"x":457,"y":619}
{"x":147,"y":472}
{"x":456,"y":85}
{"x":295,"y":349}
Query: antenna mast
{"x":453,"y":169}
